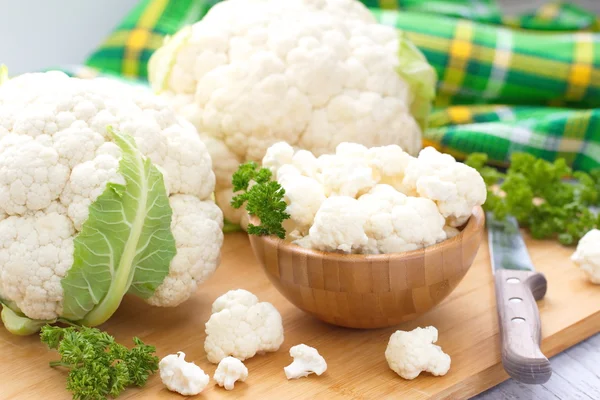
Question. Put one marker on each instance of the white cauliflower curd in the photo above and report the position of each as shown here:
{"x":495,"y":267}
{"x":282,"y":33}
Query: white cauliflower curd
{"x":587,"y":255}
{"x":410,"y":353}
{"x":313,"y":73}
{"x":88,"y":213}
{"x":229,"y":371}
{"x":180,"y":376}
{"x":373,"y":201}
{"x":241,"y":327}
{"x":307,"y":360}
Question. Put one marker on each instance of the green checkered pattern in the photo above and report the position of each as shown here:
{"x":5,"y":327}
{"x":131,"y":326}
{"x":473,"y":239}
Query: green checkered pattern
{"x":128,"y":48}
{"x":506,"y":84}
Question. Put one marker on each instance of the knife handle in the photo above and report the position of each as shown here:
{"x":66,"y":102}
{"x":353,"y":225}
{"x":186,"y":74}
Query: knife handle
{"x":520,"y":326}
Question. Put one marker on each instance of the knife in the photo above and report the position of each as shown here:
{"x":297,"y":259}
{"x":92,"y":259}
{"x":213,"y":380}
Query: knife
{"x":518,"y":287}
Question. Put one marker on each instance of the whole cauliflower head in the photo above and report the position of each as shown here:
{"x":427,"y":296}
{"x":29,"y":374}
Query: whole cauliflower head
{"x":313,"y":73}
{"x":587,"y":255}
{"x":410,"y":353}
{"x":241,"y":326}
{"x":57,"y":157}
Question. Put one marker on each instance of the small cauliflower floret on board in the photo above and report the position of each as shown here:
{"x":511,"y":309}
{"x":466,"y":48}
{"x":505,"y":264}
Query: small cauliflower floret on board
{"x":322,"y":72}
{"x":587,"y":255}
{"x":410,"y":353}
{"x":229,"y":371}
{"x":454,"y":186}
{"x":307,"y":360}
{"x":241,"y":327}
{"x":104,"y":190}
{"x":180,"y":376}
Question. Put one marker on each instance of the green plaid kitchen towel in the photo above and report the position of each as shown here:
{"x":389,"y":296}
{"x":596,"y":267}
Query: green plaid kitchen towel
{"x":506,"y":84}
{"x":127,"y":50}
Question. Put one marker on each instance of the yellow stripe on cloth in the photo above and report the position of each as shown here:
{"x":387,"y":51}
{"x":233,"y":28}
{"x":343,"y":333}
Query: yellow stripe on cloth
{"x":460,"y":115}
{"x":140,"y":36}
{"x":388,"y":4}
{"x":548,"y":12}
{"x":120,"y":38}
{"x":573,"y":136}
{"x":580,"y":75}
{"x":459,"y":55}
{"x":530,"y":64}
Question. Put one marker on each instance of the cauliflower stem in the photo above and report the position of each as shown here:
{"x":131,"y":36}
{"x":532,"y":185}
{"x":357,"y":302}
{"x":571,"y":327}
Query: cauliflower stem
{"x":19,"y":324}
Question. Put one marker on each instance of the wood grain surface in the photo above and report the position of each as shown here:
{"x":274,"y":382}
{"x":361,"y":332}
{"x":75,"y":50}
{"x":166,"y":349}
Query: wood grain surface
{"x":369,"y":291}
{"x":466,"y":320}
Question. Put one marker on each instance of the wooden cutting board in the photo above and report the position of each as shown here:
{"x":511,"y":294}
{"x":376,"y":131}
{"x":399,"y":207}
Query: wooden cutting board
{"x":357,"y":368}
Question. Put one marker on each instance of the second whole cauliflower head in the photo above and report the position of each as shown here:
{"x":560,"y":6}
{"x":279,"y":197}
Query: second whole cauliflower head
{"x":241,"y":326}
{"x":57,"y":158}
{"x":410,"y":353}
{"x":313,"y":73}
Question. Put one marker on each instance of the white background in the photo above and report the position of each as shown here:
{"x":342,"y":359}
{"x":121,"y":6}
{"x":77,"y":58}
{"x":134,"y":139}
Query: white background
{"x":37,"y":34}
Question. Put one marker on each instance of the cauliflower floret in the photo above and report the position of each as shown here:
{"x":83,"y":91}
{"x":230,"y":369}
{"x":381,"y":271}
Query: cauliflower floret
{"x":321,"y":72}
{"x":180,"y":376}
{"x":454,"y":186}
{"x":56,"y":159}
{"x":410,"y":353}
{"x":389,"y":164}
{"x":347,"y":173}
{"x":306,"y":162}
{"x":242,"y":327}
{"x":307,"y":360}
{"x":397,"y":223}
{"x":338,"y":226}
{"x":277,"y":155}
{"x":35,"y":254}
{"x":88,"y":180}
{"x":229,"y":371}
{"x":31,"y":176}
{"x":587,"y":255}
{"x":304,"y":197}
{"x":197,"y":258}
{"x":451,"y":231}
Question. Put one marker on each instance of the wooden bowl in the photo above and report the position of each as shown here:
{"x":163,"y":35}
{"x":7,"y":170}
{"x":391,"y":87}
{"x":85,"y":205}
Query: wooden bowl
{"x":369,"y":291}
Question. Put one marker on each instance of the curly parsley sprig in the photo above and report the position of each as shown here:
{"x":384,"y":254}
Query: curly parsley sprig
{"x":263,"y":198}
{"x":98,"y":366}
{"x":536,"y":192}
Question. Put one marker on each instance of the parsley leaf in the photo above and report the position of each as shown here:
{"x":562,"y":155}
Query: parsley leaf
{"x":263,"y":198}
{"x":98,"y":366}
{"x":538,"y":193}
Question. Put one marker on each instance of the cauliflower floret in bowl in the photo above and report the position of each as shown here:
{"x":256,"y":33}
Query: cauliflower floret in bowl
{"x":363,"y":237}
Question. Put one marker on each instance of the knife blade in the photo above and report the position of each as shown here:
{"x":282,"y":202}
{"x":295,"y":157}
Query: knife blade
{"x":518,"y":287}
